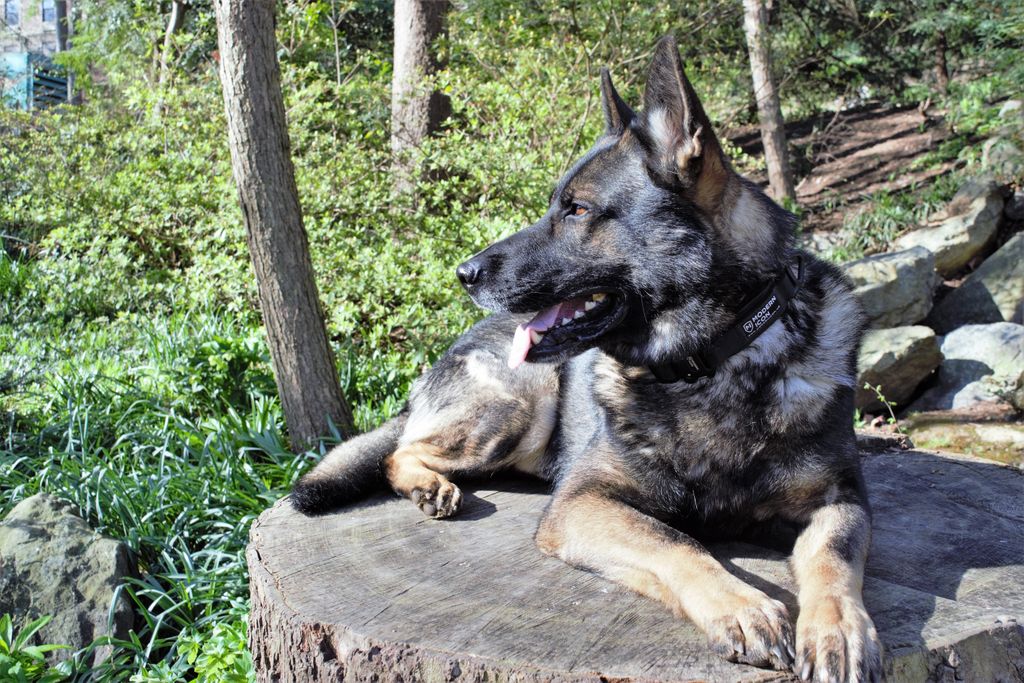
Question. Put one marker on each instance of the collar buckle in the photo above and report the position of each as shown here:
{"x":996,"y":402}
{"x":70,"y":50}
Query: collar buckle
{"x":690,"y":369}
{"x":695,"y":368}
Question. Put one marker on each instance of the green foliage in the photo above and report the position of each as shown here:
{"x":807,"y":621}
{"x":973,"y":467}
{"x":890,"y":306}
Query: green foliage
{"x":890,"y":406}
{"x":163,"y":430}
{"x":217,"y":656}
{"x":22,"y":662}
{"x":177,"y":474}
{"x":220,"y":655}
{"x":126,"y":242}
{"x":890,"y":213}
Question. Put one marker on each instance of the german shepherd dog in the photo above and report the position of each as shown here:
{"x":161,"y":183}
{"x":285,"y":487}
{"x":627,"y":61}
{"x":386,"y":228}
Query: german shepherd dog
{"x":662,"y":354}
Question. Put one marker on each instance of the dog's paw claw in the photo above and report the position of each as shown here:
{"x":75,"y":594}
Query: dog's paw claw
{"x":836,"y":641}
{"x":440,"y":500}
{"x":760,"y":633}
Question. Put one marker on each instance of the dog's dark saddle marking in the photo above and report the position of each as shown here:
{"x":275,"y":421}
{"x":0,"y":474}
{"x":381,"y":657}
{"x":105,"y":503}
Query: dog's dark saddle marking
{"x":753,"y":319}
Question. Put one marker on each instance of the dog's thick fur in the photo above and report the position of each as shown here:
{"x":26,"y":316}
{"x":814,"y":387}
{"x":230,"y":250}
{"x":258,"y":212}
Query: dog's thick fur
{"x":654,"y":217}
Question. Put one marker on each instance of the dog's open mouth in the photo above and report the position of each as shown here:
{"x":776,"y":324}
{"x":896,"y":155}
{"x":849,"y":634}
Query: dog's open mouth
{"x":560,"y":329}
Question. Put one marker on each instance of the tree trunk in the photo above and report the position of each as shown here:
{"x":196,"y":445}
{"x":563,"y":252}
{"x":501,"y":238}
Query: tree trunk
{"x":61,"y":9}
{"x":174,"y":24}
{"x":374,"y":592}
{"x":262,"y":165}
{"x":64,"y":41}
{"x":416,"y":112}
{"x":335,"y":26}
{"x":941,"y":67}
{"x":769,"y":113}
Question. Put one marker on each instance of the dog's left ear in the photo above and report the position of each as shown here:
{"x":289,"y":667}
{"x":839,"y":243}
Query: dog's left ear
{"x":685,"y":146}
{"x":617,"y":114}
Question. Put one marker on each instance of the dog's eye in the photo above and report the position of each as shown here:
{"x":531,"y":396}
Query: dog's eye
{"x":578,"y":210}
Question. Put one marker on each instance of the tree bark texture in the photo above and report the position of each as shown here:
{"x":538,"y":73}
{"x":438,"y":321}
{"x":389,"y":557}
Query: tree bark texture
{"x":769,"y":112}
{"x":416,"y":110}
{"x":64,"y":33}
{"x":941,"y":66}
{"x":61,"y":10}
{"x":261,"y":160}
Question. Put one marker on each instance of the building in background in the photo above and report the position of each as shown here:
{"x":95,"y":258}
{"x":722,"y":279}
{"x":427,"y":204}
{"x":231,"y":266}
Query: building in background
{"x":31,"y":32}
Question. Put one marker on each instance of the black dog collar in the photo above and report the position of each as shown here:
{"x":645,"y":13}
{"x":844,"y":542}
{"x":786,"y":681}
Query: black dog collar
{"x":754,"y":318}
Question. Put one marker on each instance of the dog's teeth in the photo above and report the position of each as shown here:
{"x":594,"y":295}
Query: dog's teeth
{"x":566,"y":321}
{"x":589,"y":305}
{"x":577,"y":315}
{"x":599,"y":297}
{"x":535,"y":336}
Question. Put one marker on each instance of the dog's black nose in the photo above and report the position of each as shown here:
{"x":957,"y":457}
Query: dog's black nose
{"x":468,"y":272}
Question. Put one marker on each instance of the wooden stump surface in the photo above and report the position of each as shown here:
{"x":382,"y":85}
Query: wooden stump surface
{"x":378,"y":592}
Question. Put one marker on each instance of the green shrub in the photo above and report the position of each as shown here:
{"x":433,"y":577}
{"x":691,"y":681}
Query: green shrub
{"x":23,"y":662}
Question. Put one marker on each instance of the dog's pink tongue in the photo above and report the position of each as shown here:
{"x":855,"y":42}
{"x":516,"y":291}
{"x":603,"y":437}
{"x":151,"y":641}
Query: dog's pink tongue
{"x":521,"y":342}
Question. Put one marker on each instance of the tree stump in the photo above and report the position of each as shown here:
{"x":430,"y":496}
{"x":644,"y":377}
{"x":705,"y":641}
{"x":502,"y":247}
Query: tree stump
{"x":378,"y":592}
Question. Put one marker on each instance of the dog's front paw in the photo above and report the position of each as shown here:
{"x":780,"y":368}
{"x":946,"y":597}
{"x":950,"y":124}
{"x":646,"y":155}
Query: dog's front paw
{"x":439,"y":499}
{"x":836,"y":642}
{"x":753,"y":630}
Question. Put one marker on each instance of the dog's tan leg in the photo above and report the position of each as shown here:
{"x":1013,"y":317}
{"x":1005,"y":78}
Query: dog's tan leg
{"x":412,"y":471}
{"x":835,"y":638}
{"x":592,"y":531}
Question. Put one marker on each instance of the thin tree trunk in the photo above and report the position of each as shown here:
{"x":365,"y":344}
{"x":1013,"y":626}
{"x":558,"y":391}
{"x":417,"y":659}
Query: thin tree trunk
{"x":261,"y":161}
{"x":769,"y":112}
{"x":941,"y":67}
{"x":335,"y":20}
{"x":64,"y":41}
{"x":174,"y":24}
{"x":61,"y":9}
{"x":415,"y":111}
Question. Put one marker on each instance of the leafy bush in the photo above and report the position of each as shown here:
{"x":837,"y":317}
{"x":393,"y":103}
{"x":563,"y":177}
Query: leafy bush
{"x":22,"y":662}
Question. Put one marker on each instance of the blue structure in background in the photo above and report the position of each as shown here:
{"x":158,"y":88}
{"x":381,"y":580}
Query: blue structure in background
{"x":30,"y":81}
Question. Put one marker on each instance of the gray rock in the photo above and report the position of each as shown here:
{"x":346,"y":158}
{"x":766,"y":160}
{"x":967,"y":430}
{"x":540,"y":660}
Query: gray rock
{"x":983,"y":364}
{"x":1003,"y":158}
{"x":1015,"y":396}
{"x":961,"y":237}
{"x":898,"y":359}
{"x":1012,"y":110}
{"x":820,"y":243}
{"x":964,"y":432}
{"x":52,"y":562}
{"x":895,"y":289}
{"x":993,"y":293}
{"x":970,"y":191}
{"x":1014,"y":209}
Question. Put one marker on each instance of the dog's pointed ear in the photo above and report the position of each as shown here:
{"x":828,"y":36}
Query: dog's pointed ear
{"x":617,"y":113}
{"x":684,"y":143}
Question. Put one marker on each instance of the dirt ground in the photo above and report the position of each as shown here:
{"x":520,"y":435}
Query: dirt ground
{"x":841,"y":159}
